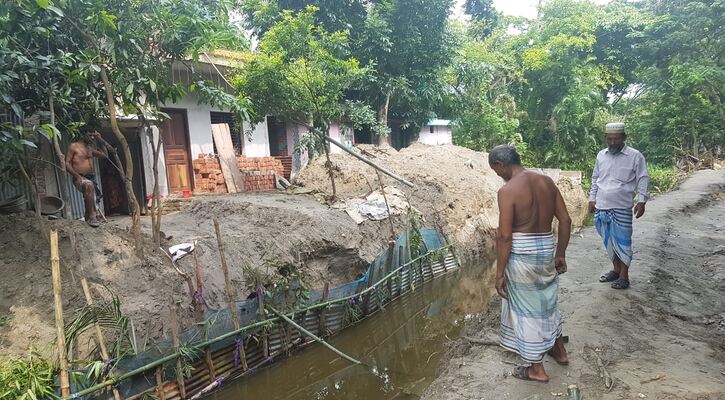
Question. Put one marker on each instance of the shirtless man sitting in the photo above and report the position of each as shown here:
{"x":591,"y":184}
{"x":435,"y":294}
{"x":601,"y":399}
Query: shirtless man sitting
{"x":528,"y":263}
{"x":79,"y":163}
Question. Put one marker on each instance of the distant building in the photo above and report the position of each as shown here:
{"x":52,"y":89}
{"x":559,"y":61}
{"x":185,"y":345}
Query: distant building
{"x":436,"y":132}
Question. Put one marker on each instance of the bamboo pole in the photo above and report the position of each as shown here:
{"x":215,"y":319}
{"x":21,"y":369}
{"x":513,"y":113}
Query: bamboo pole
{"x":59,"y":324}
{"x":160,"y":383}
{"x":261,"y":314}
{"x":389,"y":266}
{"x":177,"y":344}
{"x":229,"y":290}
{"x":371,"y":284}
{"x":199,"y":310}
{"x":387,"y":206}
{"x":227,"y":375}
{"x":323,"y":312}
{"x":170,"y":357}
{"x":99,"y":333}
{"x":313,"y":336}
{"x":368,"y":162}
{"x":411,"y":275}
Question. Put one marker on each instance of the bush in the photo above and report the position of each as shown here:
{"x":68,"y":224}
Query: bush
{"x":663,"y":179}
{"x":27,"y":379}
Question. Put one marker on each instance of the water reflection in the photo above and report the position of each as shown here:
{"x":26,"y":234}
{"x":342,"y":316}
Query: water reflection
{"x":401,"y":345}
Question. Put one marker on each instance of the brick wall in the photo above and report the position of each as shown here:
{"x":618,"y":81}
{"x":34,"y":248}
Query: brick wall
{"x":263,"y":164}
{"x":257,"y":173}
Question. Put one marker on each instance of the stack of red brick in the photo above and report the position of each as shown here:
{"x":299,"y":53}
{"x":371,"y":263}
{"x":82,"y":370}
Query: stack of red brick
{"x":263,"y":164}
{"x":257,"y":173}
{"x":208,"y":177}
{"x":258,"y":180}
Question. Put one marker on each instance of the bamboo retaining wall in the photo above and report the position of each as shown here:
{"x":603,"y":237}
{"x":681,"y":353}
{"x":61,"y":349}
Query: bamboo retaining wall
{"x":392,"y":275}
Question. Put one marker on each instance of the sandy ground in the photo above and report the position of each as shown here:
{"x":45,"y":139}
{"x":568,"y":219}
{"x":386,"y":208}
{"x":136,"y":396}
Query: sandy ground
{"x":664,"y":338}
{"x":262,"y":230}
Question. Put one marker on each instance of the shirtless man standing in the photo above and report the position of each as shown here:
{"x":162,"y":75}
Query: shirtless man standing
{"x":79,"y":163}
{"x":528,"y":263}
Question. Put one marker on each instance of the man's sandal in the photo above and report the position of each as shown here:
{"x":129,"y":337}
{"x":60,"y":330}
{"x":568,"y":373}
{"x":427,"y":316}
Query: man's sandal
{"x":609,"y":277}
{"x":620,"y":283}
{"x":93,"y":222}
{"x":522,"y":373}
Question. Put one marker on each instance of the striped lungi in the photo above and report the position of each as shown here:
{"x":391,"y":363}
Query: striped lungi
{"x":530,"y":318}
{"x":615,"y":228}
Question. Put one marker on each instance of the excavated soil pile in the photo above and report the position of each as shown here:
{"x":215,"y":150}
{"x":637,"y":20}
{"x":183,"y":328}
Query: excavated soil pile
{"x":454,"y":187}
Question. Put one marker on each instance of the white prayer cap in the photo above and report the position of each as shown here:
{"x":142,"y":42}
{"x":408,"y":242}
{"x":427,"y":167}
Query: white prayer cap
{"x":614,"y":127}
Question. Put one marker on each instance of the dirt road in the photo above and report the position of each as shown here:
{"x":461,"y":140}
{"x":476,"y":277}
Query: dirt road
{"x":664,"y":338}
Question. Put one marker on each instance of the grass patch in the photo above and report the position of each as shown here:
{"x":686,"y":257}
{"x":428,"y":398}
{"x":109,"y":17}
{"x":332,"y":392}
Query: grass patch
{"x":663,"y":179}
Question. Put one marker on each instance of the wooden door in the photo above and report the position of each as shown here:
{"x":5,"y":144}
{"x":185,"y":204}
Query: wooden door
{"x":175,"y":133}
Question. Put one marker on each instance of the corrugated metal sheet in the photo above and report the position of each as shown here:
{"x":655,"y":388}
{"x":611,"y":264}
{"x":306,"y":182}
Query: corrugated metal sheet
{"x":8,"y":190}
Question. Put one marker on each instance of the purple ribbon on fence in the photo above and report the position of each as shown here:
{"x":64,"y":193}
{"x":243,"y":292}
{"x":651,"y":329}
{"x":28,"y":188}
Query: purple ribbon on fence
{"x":107,"y":366}
{"x":199,"y":296}
{"x":237,"y":346}
{"x":218,"y":381}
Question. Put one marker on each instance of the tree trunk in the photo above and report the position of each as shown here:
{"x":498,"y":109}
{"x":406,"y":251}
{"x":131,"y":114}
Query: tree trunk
{"x":156,"y":222}
{"x":32,"y":184}
{"x":62,"y":186}
{"x":328,"y":163}
{"x":156,"y":197}
{"x":383,"y":120}
{"x":126,"y":175}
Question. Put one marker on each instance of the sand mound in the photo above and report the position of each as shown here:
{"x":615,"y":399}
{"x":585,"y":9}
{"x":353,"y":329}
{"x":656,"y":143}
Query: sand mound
{"x":454,"y":187}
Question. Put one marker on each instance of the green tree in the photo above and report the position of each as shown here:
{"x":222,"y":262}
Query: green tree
{"x":676,"y":106}
{"x":300,"y":72}
{"x":81,"y":59}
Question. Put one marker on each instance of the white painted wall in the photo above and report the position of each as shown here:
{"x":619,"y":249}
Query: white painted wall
{"x":199,"y":118}
{"x":440,"y":135}
{"x":335,"y":134}
{"x":258,"y":144}
{"x":147,"y":153}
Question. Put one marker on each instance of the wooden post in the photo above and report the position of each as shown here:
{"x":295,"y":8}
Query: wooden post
{"x":229,"y":291}
{"x":59,"y":324}
{"x":175,"y":340}
{"x":366,"y":299}
{"x":323,"y":312}
{"x":160,"y":383}
{"x":261,"y":314}
{"x":199,"y":311}
{"x":99,"y":333}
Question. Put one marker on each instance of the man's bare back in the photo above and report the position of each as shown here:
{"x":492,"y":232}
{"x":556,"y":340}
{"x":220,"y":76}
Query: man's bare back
{"x":534,"y":198}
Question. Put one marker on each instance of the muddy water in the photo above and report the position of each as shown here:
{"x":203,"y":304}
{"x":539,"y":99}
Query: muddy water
{"x":401,"y":346}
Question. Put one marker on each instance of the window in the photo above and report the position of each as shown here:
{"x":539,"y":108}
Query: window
{"x":234,"y":129}
{"x":431,"y":129}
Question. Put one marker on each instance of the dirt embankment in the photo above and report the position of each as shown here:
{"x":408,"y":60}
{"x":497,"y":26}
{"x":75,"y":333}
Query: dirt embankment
{"x":664,"y":338}
{"x":260,"y":230}
{"x":454,"y":188}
